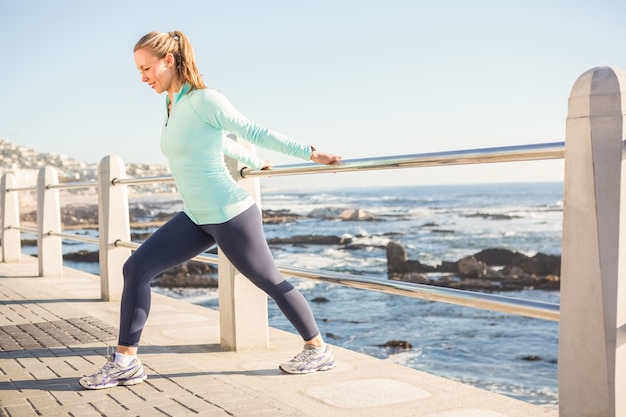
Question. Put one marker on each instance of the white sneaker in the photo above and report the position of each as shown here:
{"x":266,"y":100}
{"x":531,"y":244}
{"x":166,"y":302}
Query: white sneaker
{"x":311,"y":359}
{"x":113,"y":374}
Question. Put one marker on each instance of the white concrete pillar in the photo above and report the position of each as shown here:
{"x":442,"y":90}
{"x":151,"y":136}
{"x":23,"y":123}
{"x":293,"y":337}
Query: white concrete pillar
{"x":49,"y":248}
{"x":592,"y":351}
{"x":113,"y":225}
{"x":243,"y":306}
{"x":10,"y":216}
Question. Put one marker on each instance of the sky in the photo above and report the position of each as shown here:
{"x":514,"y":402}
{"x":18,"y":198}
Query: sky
{"x":355,"y":78}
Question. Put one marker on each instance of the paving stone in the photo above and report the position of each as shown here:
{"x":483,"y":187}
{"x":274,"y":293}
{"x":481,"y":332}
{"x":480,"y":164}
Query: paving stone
{"x":22,"y":410}
{"x":107,"y":405}
{"x":42,"y":402}
{"x":75,"y":410}
{"x":67,"y":397}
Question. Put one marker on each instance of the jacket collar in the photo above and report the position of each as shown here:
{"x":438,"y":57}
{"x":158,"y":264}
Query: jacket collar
{"x":184,"y":90}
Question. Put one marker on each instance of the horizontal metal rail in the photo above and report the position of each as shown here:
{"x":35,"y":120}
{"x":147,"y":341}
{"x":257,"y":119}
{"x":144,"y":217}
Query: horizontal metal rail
{"x":74,"y":236}
{"x":493,"y":302}
{"x":143,"y":180}
{"x":72,"y":185}
{"x":536,"y":152}
{"x":522,"y":307}
{"x":10,"y":190}
{"x":70,"y":236}
{"x":23,"y":229}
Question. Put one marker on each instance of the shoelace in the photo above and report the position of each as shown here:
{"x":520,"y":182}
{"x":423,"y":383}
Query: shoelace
{"x":304,"y":355}
{"x":107,"y":366}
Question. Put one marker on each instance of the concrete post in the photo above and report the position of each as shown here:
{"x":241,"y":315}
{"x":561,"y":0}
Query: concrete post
{"x":49,"y":248}
{"x":243,"y":306}
{"x":10,"y":216}
{"x":113,"y":225}
{"x":592,"y":349}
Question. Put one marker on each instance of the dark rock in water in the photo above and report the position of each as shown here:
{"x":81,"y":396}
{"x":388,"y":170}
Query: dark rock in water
{"x":397,"y":344}
{"x":497,"y":256}
{"x":477,"y":272}
{"x":320,"y":300}
{"x":279,"y":216}
{"x":531,"y":358}
{"x":310,"y":240}
{"x":397,"y":261}
{"x":492,"y":216}
{"x":83,"y":256}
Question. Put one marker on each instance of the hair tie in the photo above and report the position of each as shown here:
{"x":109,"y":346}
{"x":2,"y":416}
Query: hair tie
{"x":174,"y":36}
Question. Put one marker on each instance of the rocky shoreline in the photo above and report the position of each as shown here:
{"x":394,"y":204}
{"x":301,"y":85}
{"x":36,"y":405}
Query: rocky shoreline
{"x":490,"y":270}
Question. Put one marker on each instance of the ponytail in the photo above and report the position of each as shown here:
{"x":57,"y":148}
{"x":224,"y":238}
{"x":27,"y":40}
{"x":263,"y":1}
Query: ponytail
{"x":177,"y":44}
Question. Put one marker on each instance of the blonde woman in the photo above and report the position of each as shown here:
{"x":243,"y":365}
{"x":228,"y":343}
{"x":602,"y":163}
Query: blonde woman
{"x":216,"y":209}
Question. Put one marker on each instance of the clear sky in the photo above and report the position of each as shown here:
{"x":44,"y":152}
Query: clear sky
{"x":359,"y":78}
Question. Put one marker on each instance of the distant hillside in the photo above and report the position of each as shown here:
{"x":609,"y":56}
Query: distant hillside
{"x":25,"y":162}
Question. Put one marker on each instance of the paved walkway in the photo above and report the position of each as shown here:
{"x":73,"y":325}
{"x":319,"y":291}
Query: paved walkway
{"x":53,"y":330}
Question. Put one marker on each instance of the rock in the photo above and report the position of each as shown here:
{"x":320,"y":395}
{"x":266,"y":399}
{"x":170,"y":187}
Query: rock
{"x":519,"y":271}
{"x":320,"y":300}
{"x":414,"y":277}
{"x":397,"y":344}
{"x":340,"y":213}
{"x":492,"y":216}
{"x":396,"y":257}
{"x":470,"y":267}
{"x":279,"y":216}
{"x":82,"y":256}
{"x":531,"y":358}
{"x":497,"y":256}
{"x":311,"y":240}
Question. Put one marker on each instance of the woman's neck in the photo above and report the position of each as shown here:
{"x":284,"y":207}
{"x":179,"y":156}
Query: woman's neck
{"x":174,"y":88}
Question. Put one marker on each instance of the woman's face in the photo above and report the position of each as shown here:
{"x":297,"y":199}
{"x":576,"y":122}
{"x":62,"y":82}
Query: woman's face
{"x":158,"y":73}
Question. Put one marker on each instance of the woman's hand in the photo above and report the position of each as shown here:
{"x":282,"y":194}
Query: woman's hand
{"x":324,"y":158}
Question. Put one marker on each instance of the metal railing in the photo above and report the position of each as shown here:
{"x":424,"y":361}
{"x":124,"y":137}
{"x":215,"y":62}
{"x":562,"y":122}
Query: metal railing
{"x":522,"y":307}
{"x":494,"y":302}
{"x":519,"y":153}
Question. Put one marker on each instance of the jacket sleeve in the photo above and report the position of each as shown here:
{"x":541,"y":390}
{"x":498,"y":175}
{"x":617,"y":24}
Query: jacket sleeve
{"x":216,"y":110}
{"x":235,"y":150}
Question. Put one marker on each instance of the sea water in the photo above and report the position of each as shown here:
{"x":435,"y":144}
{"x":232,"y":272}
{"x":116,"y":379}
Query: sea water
{"x":506,"y":354}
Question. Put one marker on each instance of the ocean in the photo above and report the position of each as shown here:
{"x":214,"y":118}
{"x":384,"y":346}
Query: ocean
{"x":502,"y":353}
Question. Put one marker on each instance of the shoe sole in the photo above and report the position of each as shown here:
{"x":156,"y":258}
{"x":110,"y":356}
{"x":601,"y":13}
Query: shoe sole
{"x":125,"y":382}
{"x":324,"y":367}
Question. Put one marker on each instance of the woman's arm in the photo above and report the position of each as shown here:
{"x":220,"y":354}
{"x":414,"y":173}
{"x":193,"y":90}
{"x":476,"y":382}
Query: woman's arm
{"x":220,"y":113}
{"x":235,"y":150}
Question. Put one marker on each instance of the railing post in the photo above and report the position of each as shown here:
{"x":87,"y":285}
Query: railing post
{"x":10,"y":216}
{"x":49,"y":248}
{"x":113,"y":225}
{"x":592,"y":340}
{"x":243,"y":306}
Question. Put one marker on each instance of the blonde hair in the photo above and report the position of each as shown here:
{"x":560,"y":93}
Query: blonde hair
{"x":177,"y":44}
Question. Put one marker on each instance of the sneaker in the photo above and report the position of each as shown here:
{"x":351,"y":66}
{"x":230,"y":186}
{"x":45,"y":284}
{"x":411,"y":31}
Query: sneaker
{"x":113,"y":374}
{"x":311,"y":359}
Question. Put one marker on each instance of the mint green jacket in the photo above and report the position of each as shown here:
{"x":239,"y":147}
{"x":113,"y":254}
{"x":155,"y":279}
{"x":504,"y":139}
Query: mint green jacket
{"x":194,"y":141}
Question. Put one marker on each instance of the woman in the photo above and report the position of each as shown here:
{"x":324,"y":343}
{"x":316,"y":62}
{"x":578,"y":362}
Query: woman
{"x":216,"y":209}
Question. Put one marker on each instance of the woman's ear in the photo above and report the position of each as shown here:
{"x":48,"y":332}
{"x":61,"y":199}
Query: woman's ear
{"x":169,"y":59}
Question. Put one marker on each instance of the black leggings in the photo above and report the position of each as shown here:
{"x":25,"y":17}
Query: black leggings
{"x":243,"y":242}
